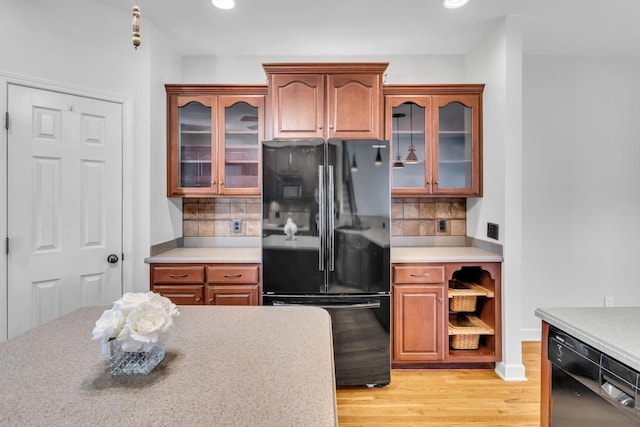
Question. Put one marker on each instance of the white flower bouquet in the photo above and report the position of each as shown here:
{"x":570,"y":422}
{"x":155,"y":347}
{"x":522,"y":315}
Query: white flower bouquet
{"x":137,"y":322}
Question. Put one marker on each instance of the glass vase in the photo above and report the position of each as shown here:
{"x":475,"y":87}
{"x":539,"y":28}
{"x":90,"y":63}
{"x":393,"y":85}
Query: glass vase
{"x":132,"y":362}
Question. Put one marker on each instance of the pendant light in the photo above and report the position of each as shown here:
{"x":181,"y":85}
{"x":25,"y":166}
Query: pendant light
{"x":354,"y":165}
{"x":412,"y":158}
{"x":398,"y":163}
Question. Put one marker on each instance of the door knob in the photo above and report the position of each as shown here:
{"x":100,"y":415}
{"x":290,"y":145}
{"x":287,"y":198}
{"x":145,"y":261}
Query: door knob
{"x":112,"y":259}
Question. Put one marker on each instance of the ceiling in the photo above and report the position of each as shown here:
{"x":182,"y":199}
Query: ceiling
{"x":397,"y":27}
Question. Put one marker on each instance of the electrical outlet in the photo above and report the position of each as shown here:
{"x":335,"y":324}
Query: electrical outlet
{"x":442,"y":226}
{"x":608,"y":302}
{"x":492,"y":230}
{"x":236,"y":225}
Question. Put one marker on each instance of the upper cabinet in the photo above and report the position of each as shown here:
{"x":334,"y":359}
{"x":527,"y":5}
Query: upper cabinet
{"x":325,"y":100}
{"x":436,"y":136}
{"x":213,"y":140}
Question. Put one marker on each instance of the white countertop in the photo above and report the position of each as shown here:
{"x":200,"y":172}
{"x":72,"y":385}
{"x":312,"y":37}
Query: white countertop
{"x":224,"y":366}
{"x":612,"y":330}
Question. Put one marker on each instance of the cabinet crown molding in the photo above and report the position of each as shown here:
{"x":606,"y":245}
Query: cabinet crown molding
{"x":325,"y":67}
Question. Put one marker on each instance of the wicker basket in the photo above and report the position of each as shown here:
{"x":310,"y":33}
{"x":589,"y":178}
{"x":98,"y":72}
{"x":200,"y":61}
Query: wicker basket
{"x":463,"y":303}
{"x":465,"y":342}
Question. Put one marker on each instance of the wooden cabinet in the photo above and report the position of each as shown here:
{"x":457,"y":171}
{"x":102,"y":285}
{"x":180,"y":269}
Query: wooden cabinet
{"x":215,"y":284}
{"x":418,"y":313}
{"x":233,"y":285}
{"x":435,"y":133}
{"x":213,"y":140}
{"x":435,"y":322}
{"x":325,"y":100}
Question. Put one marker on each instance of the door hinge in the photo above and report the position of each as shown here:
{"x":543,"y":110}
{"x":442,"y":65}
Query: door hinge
{"x":6,"y":120}
{"x":122,"y":258}
{"x":6,"y":245}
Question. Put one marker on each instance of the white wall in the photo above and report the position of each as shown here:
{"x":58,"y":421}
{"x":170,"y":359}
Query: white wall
{"x":88,"y":46}
{"x":248,"y":69}
{"x":581,"y":181}
{"x":497,"y":61}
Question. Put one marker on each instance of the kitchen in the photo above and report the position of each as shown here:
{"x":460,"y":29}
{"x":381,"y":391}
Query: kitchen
{"x":554,"y":220}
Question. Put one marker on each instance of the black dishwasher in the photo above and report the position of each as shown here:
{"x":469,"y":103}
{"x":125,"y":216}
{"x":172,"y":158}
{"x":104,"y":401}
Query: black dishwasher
{"x":588,"y":388}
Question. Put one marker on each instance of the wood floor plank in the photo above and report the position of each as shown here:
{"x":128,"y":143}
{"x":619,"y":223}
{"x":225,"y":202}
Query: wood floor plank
{"x":447,"y":398}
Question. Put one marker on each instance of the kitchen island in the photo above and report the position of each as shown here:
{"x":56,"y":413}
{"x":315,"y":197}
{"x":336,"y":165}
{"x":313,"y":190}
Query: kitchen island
{"x":224,"y":366}
{"x":610,"y":330}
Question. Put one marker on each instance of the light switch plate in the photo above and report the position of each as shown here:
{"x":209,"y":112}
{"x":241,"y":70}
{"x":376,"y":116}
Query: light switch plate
{"x":492,"y":230}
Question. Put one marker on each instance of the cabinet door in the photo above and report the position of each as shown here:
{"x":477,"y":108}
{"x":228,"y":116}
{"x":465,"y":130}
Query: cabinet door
{"x":457,"y":167}
{"x":297,"y":106}
{"x":408,"y":124}
{"x":181,"y":294}
{"x":233,"y":295}
{"x":241,"y":129}
{"x":354,"y":106}
{"x":418,"y":326}
{"x":192,"y":149}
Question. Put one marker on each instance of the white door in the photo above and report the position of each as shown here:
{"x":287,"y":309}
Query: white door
{"x":64,"y":204}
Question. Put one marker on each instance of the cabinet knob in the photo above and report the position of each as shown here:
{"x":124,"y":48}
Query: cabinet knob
{"x":330,"y":126}
{"x":198,"y":299}
{"x":210,"y":300}
{"x":320,"y":127}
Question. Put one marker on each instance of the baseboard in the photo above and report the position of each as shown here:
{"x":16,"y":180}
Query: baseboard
{"x":512,"y":372}
{"x":530,"y":334}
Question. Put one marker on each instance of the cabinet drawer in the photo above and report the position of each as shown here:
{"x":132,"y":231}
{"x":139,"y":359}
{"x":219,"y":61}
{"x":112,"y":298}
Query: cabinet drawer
{"x":181,"y":294}
{"x":187,"y":274}
{"x":233,"y":274}
{"x":418,"y":274}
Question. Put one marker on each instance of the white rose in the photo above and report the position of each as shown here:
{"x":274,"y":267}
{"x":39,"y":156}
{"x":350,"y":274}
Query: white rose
{"x":144,"y":326}
{"x":108,"y":325}
{"x":130,"y":301}
{"x":166,"y":303}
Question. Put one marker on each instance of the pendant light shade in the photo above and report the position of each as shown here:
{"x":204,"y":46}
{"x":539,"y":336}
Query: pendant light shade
{"x":398,"y":163}
{"x":378,"y":160}
{"x":412,"y":158}
{"x":224,"y":4}
{"x":354,"y":165}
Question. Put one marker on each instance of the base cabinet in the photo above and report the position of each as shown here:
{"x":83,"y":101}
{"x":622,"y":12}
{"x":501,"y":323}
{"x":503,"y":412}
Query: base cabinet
{"x":211,"y":284}
{"x":446,"y":314}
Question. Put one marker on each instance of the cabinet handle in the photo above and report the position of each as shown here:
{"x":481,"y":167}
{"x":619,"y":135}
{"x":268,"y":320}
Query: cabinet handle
{"x":179,"y":276}
{"x":420,"y":274}
{"x":232,"y":276}
{"x":197,"y":300}
{"x":210,"y":300}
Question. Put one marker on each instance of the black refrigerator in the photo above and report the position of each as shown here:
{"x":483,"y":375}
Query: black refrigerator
{"x":326,"y":243}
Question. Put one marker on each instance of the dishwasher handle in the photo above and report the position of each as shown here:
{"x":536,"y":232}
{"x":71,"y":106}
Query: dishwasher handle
{"x":614,"y":393}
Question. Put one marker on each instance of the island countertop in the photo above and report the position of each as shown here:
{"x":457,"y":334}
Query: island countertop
{"x":612,"y":330}
{"x":224,"y":366}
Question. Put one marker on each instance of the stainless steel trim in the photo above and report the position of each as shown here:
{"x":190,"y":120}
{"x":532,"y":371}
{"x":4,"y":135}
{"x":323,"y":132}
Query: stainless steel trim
{"x":321,"y":215}
{"x":331,"y":217}
{"x":363,"y":306}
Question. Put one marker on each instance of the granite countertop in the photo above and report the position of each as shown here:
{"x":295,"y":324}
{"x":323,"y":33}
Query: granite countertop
{"x":402,"y":250}
{"x":442,"y":254}
{"x":224,"y":366}
{"x":612,"y":330}
{"x":208,"y":254}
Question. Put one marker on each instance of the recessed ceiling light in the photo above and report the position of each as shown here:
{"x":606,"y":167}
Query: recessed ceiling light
{"x":454,"y":4}
{"x":224,"y":4}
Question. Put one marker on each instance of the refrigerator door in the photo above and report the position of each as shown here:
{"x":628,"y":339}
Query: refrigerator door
{"x":293,"y":250}
{"x":358,"y":225}
{"x":360,"y":327}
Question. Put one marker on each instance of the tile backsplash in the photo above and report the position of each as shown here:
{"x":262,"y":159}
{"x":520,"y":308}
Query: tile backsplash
{"x":211,"y":217}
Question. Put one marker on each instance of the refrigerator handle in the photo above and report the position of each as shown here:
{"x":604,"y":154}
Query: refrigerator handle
{"x":321,"y":218}
{"x":331,"y":214}
{"x":361,"y":306}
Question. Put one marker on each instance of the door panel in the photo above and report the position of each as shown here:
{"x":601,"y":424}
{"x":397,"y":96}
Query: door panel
{"x":64,"y":204}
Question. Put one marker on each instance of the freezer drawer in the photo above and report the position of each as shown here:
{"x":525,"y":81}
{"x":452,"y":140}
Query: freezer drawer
{"x":361,"y":340}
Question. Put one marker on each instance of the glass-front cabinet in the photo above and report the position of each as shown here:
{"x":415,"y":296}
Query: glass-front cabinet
{"x":435,"y":132}
{"x":213,"y":139}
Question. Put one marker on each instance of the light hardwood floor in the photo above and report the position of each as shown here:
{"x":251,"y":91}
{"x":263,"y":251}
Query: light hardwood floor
{"x":447,"y":398}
